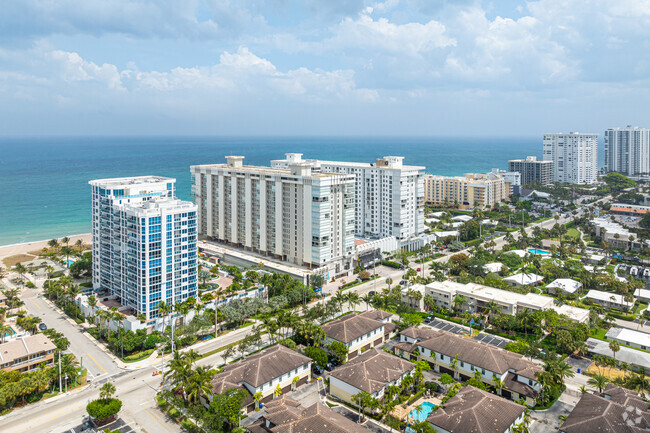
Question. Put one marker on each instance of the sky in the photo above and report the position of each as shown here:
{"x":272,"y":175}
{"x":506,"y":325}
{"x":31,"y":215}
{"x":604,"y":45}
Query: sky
{"x":323,"y":67}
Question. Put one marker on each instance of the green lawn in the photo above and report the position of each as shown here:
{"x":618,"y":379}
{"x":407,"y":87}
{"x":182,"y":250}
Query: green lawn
{"x":574,"y":233}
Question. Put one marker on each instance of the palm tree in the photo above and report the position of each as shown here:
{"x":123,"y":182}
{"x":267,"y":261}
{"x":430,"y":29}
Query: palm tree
{"x":65,"y":240}
{"x":67,"y":252}
{"x":614,"y":347}
{"x":598,"y":381}
{"x":79,"y":244}
{"x":389,"y":281}
{"x":277,"y":392}
{"x":458,"y":302}
{"x":53,"y":243}
{"x":367,"y":299}
{"x":199,"y":384}
{"x":107,"y":391}
{"x":353,"y":300}
{"x":258,"y":397}
{"x":92,"y":303}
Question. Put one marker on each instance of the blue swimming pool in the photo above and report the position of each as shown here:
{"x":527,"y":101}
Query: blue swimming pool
{"x":425,"y":410}
{"x":538,"y":252}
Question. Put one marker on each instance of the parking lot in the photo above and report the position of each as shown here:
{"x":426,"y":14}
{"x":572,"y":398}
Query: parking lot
{"x":492,"y":340}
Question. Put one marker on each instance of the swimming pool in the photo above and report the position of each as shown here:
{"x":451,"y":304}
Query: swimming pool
{"x":425,"y":409}
{"x":8,"y":333}
{"x":538,"y":252}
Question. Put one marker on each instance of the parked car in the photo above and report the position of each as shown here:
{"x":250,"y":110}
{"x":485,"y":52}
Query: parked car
{"x":315,"y":369}
{"x":418,"y":269}
{"x":42,"y":326}
{"x":402,"y":282}
{"x":372,"y":293}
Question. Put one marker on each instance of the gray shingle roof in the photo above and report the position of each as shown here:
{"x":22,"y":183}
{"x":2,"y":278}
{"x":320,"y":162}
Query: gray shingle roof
{"x":258,"y":369}
{"x":318,"y":418}
{"x":476,"y":411}
{"x":350,"y":327}
{"x":373,"y":370}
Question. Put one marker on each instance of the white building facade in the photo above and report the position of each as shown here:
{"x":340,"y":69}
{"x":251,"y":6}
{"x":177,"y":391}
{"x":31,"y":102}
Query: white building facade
{"x":627,"y":150}
{"x":574,"y":156}
{"x":144,"y":242}
{"x":294,"y":215}
{"x":389,"y":196}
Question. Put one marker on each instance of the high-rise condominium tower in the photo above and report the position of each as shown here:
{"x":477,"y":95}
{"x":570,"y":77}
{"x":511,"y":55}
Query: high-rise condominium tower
{"x":388,"y":195}
{"x":574,"y":156}
{"x":627,"y":150}
{"x":144,"y":242}
{"x":292,"y":214}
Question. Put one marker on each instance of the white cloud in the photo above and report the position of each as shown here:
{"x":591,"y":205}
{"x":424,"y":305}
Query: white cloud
{"x":74,"y":68}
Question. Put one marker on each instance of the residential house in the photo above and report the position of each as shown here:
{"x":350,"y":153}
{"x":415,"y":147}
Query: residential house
{"x":493,"y":267}
{"x":615,"y":410}
{"x":608,"y":299}
{"x":642,"y":295}
{"x":370,"y":372}
{"x":264,"y":372}
{"x":26,"y":353}
{"x":285,"y":415}
{"x":629,"y":337}
{"x":475,"y":411}
{"x":360,"y":332}
{"x":523,"y":279}
{"x":564,"y":285}
{"x":513,"y":376}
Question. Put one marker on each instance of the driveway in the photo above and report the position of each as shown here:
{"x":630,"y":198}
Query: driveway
{"x":547,"y":421}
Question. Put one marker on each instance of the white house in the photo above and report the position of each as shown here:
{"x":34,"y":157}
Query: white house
{"x":629,"y":337}
{"x":523,"y":279}
{"x":608,"y":299}
{"x":566,"y":285}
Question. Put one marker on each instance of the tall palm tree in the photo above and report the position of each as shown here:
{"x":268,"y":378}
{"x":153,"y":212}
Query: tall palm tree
{"x":53,"y":243}
{"x":198,"y":384}
{"x":92,"y":303}
{"x":598,"y":381}
{"x":79,"y":244}
{"x":107,"y":391}
{"x":353,"y":300}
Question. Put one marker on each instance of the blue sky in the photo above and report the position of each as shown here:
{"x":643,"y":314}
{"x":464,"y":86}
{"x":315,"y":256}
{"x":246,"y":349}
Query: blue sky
{"x":330,"y":67}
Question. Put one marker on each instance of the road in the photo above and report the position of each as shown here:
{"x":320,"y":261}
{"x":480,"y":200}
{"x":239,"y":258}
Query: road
{"x":97,"y":362}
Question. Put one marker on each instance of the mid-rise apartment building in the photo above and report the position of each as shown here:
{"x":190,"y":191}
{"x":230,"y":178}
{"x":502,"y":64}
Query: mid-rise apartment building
{"x":627,"y":150}
{"x":512,"y":178}
{"x":388,"y":195}
{"x":532,"y":170}
{"x":144,"y":242}
{"x":294,"y":215}
{"x":574,"y":156}
{"x":27,"y":353}
{"x":474,"y":190}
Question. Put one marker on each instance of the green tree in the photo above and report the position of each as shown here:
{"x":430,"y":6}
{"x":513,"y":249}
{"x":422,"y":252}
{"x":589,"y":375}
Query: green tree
{"x":318,"y":355}
{"x":614,"y":347}
{"x":339,"y":350}
{"x":103,"y":409}
{"x":598,"y":381}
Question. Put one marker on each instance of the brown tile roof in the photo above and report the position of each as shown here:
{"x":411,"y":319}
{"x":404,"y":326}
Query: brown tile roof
{"x":24,"y":346}
{"x":350,"y":327}
{"x":376,"y":314}
{"x":258,"y":369}
{"x":594,"y":413}
{"x":373,"y":370}
{"x":419,"y":333}
{"x":319,"y":418}
{"x":624,"y":396}
{"x":481,"y":355}
{"x":282,"y":411}
{"x":476,"y":411}
{"x":512,"y":384}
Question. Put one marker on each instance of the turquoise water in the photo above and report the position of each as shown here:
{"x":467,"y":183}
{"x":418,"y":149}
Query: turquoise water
{"x":10,"y":332}
{"x":425,"y":410}
{"x":538,"y":252}
{"x":44,"y":191}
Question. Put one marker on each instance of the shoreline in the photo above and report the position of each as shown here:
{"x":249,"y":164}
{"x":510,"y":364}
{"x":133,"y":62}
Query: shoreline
{"x":26,"y":247}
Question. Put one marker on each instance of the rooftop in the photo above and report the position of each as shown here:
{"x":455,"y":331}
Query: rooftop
{"x":613,"y":411}
{"x":129,"y":181}
{"x":565,"y":284}
{"x":629,"y":336}
{"x":24,"y":346}
{"x":625,"y":354}
{"x":524,"y":279}
{"x":350,"y":327}
{"x":606,"y":296}
{"x":373,"y":370}
{"x":475,"y":411}
{"x":258,"y":369}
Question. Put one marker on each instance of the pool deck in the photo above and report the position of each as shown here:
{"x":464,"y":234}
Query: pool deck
{"x":402,"y":413}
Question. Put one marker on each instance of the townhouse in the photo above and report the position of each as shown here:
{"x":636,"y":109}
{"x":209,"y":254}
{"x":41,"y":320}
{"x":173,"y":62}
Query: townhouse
{"x":264,"y":372}
{"x":513,"y":376}
{"x":475,"y":411}
{"x":360,"y":332}
{"x":372,"y":372}
{"x":608,"y":299}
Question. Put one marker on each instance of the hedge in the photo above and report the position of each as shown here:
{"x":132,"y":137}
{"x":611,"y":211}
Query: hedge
{"x":391,"y":264}
{"x":473,"y":242}
{"x":101,"y":409}
{"x":138,"y":356}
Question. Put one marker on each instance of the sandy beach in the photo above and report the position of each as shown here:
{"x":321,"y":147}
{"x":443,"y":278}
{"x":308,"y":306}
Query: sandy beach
{"x":12,"y":250}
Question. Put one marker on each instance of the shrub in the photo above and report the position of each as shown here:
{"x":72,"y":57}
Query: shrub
{"x":446,"y":379}
{"x":102,"y":409}
{"x":188,"y":425}
{"x":173,"y":412}
{"x":391,"y":264}
{"x":30,"y":285}
{"x":287,"y":342}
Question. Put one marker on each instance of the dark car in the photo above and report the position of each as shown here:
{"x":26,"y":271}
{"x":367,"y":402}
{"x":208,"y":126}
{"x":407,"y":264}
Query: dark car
{"x":42,"y":326}
{"x":402,"y":282}
{"x":329,"y":366}
{"x":316,"y":370}
{"x":372,"y":293}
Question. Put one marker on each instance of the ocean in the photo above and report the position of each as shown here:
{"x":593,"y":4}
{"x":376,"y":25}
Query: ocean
{"x":44,"y":191}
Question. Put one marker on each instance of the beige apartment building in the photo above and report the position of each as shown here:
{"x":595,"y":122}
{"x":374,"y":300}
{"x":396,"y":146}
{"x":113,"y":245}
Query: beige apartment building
{"x":294,"y":215}
{"x":26,"y":353}
{"x":480,"y":190}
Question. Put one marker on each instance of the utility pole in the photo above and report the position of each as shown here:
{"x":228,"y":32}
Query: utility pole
{"x":60,"y":384}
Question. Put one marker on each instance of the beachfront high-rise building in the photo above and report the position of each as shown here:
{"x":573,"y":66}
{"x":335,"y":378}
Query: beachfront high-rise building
{"x":512,"y":179}
{"x":144,"y":242}
{"x":474,"y":190}
{"x":532,"y":170}
{"x":294,"y":214}
{"x":627,"y":150}
{"x":574,"y":156}
{"x":388,"y":195}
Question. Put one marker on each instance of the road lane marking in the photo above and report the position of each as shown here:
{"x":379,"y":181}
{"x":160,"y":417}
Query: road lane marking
{"x":98,"y":365}
{"x":157,"y":420}
{"x":70,"y":409}
{"x":34,"y":302}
